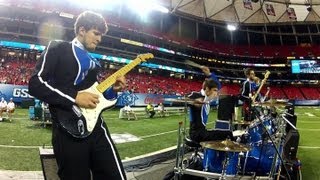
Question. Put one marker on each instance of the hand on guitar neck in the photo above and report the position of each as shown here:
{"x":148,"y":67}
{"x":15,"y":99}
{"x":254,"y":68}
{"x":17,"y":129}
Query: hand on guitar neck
{"x":120,"y":84}
{"x":261,"y":85}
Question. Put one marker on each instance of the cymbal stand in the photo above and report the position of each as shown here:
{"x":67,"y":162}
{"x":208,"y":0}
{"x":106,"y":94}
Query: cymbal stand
{"x":224,"y":166}
{"x":179,"y":168}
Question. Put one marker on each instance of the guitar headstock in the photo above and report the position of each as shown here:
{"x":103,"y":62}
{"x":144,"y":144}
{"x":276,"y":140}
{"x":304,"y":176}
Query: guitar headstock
{"x":266,"y":75}
{"x":145,"y":57}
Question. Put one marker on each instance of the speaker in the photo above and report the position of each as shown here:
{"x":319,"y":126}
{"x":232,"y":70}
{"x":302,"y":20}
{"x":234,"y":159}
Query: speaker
{"x":292,"y":120}
{"x":290,"y":109}
{"x":49,"y":164}
{"x":226,"y":107}
{"x":290,"y":147}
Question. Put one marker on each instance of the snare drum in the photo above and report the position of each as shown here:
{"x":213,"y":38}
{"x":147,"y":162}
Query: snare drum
{"x":214,"y":161}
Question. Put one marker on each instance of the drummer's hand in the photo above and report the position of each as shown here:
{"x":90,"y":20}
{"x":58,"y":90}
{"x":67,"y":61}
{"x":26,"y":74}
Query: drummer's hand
{"x":205,"y":70}
{"x":198,"y":102}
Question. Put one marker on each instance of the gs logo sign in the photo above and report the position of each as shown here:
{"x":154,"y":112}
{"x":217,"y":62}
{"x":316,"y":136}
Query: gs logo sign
{"x":17,"y":92}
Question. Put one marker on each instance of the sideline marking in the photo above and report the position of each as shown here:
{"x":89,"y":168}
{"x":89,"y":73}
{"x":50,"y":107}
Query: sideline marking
{"x":309,"y":147}
{"x":309,"y":114}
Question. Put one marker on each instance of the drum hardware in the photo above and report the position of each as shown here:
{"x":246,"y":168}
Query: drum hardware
{"x":277,"y":155}
{"x":179,"y":156}
{"x":224,"y":167}
{"x":283,"y":117}
{"x":235,"y":163}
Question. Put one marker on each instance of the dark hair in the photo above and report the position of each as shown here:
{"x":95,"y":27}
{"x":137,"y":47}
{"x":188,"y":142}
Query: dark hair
{"x":248,"y":71}
{"x":90,"y":20}
{"x":210,"y":83}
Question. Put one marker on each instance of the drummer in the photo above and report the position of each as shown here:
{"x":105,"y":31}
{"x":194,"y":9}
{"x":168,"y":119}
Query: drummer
{"x":200,"y":109}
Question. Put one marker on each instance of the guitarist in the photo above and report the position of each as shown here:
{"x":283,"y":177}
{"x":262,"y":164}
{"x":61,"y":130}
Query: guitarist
{"x":247,"y":91}
{"x":63,"y":70}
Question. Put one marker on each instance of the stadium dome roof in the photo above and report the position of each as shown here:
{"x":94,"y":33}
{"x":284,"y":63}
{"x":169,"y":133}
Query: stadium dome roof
{"x":247,"y":11}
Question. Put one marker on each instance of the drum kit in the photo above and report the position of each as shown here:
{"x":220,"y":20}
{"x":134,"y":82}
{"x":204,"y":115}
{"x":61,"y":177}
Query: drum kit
{"x":255,"y":154}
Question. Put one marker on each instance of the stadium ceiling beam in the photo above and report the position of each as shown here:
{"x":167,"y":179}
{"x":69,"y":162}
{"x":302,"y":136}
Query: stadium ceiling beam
{"x":204,"y":11}
{"x":220,"y":11}
{"x":235,"y":10}
{"x":175,"y":8}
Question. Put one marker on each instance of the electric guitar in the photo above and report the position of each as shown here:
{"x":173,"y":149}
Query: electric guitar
{"x":82,"y":121}
{"x":266,"y":76}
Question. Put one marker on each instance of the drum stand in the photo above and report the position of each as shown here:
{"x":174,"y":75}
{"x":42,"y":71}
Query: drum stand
{"x":179,"y":167}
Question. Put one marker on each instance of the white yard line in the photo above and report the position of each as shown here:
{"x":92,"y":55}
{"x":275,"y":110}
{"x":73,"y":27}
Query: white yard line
{"x":309,"y":114}
{"x":309,"y":147}
{"x":309,"y":122}
{"x":301,"y":129}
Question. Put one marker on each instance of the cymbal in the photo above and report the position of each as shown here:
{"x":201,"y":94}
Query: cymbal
{"x":273,"y":102}
{"x":226,"y":145}
{"x":242,"y":122}
{"x":183,"y":100}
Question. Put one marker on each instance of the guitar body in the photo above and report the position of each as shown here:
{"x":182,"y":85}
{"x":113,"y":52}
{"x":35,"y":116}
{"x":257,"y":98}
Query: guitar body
{"x":82,"y":121}
{"x":92,"y":115}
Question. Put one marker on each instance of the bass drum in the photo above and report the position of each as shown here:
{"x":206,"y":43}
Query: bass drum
{"x":214,"y":161}
{"x":259,"y":160}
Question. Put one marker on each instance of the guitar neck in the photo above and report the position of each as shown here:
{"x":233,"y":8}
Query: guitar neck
{"x":121,"y":72}
{"x":261,"y":85}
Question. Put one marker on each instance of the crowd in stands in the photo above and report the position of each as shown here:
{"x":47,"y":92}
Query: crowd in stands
{"x":14,"y":70}
{"x":17,"y":71}
{"x":255,"y":51}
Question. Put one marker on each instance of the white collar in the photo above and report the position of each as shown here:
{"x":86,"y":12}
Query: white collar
{"x":77,"y":43}
{"x":249,"y":80}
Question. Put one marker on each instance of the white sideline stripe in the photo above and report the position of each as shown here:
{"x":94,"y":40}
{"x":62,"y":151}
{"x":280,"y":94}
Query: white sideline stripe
{"x":308,"y":129}
{"x":309,"y":114}
{"x":309,"y":147}
{"x":152,"y":135}
{"x":167,"y":132}
{"x":309,"y":122}
{"x":23,"y":147}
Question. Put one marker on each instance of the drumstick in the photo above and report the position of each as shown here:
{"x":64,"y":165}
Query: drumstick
{"x":191,"y":63}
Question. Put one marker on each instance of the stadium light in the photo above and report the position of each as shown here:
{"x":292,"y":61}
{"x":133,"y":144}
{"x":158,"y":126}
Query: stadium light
{"x":160,"y":8}
{"x":231,"y":27}
{"x":143,"y":7}
{"x":97,"y":4}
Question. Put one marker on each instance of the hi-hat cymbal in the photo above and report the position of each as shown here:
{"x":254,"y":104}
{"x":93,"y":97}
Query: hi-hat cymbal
{"x":226,"y":145}
{"x":242,"y":122}
{"x":272,"y":102}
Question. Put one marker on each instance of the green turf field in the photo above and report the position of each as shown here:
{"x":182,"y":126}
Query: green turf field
{"x":18,"y":139}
